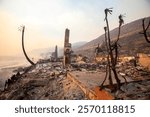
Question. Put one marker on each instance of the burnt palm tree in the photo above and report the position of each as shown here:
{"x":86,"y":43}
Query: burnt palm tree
{"x":23,"y":48}
{"x":112,"y":61}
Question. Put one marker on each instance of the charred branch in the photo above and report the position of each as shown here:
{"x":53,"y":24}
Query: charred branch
{"x":145,"y":29}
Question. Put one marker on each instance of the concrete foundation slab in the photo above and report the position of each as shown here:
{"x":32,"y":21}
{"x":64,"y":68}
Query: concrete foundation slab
{"x":89,"y":82}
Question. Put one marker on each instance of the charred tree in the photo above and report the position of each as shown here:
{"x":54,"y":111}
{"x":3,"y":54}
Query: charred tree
{"x":23,"y":48}
{"x":112,"y":50}
{"x":116,"y":45}
{"x":145,"y":30}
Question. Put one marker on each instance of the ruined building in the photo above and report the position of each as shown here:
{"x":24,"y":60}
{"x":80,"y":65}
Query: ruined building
{"x":67,"y":49}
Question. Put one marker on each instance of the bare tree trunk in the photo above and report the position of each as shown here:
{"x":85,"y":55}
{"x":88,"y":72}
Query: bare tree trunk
{"x":108,"y":58}
{"x":101,"y":87}
{"x":113,"y":66}
{"x":116,"y":45}
{"x":145,"y":30}
{"x":23,"y":48}
{"x":108,"y":67}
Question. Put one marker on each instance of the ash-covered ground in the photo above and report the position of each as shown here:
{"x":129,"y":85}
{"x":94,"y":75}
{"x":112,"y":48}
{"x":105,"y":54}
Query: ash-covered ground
{"x":48,"y":81}
{"x":45,"y":81}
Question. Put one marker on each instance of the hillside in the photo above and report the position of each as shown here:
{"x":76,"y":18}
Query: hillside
{"x":130,"y":40}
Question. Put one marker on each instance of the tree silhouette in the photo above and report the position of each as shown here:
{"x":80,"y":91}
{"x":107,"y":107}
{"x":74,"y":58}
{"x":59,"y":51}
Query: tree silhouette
{"x":112,"y":50}
{"x":116,"y":45}
{"x":108,"y":67}
{"x":23,"y":48}
{"x":145,"y":28}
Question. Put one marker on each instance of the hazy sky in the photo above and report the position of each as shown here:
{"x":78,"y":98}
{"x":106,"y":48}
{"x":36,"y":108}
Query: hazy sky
{"x":46,"y":20}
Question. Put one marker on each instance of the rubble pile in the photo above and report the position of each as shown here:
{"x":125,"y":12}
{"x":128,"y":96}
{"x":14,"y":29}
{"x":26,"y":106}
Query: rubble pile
{"x":49,"y":81}
{"x":43,"y":81}
{"x":87,"y":67}
{"x":134,"y":72}
{"x":139,"y":88}
{"x":134,"y":90}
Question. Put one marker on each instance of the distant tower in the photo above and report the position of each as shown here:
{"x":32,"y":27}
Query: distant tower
{"x":67,"y":49}
{"x":56,"y":53}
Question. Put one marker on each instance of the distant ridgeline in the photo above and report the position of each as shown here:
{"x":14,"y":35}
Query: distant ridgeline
{"x":131,"y":42}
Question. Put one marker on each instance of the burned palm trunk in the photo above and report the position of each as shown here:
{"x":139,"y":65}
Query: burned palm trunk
{"x":108,"y":57}
{"x":115,"y":45}
{"x":145,"y":28}
{"x":116,"y":52}
{"x":23,"y":48}
{"x":108,"y":67}
{"x":67,"y":49}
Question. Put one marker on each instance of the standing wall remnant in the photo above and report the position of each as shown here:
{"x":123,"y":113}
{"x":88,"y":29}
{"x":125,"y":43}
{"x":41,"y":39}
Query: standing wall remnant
{"x":67,"y":49}
{"x":56,"y":53}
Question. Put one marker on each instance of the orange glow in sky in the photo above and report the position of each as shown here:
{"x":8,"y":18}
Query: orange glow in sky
{"x":46,"y":20}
